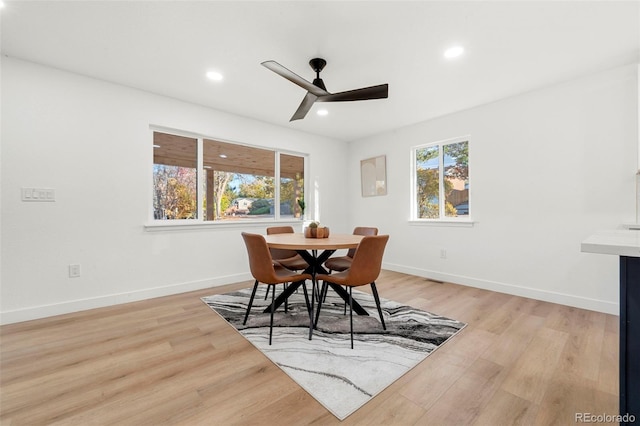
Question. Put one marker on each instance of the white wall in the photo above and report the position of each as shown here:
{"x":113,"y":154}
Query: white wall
{"x":90,"y":141}
{"x":547,"y":169}
{"x":566,"y":156}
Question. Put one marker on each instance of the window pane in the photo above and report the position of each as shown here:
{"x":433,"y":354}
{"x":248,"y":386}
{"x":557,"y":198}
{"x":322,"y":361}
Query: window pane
{"x":174,"y":177}
{"x":456,"y":179}
{"x":239,"y":181}
{"x":427,"y":182}
{"x":291,"y":186}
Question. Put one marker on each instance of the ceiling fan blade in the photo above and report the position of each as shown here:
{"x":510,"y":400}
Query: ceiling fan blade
{"x":294,"y":78}
{"x":374,"y":92}
{"x":304,"y":107}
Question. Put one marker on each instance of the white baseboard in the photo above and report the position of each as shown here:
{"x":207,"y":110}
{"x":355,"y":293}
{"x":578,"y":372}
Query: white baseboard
{"x":515,"y":290}
{"x":43,"y":311}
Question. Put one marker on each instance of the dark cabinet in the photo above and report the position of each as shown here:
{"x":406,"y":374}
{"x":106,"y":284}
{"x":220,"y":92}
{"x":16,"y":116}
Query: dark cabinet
{"x":630,"y":337}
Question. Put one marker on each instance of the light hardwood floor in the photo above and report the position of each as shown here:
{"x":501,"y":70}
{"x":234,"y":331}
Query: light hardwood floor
{"x":172,"y":360}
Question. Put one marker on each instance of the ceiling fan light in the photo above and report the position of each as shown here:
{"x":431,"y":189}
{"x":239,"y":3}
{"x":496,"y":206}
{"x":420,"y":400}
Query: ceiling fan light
{"x":453,"y":52}
{"x":214,"y":75}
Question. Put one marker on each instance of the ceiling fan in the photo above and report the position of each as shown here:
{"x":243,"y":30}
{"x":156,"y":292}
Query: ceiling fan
{"x":317,"y":92}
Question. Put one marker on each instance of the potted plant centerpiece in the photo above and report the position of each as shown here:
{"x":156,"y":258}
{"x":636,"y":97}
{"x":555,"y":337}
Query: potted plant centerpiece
{"x":314,"y":230}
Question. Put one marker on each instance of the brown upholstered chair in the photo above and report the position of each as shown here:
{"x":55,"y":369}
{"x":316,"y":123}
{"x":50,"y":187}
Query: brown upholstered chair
{"x":365,"y":268}
{"x":290,"y":259}
{"x":342,"y":263}
{"x":264,"y":271}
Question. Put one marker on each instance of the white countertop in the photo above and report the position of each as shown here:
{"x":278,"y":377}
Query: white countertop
{"x":622,"y":242}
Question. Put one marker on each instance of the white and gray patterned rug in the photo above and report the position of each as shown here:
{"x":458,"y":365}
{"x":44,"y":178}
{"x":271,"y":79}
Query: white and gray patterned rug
{"x":340,"y":378}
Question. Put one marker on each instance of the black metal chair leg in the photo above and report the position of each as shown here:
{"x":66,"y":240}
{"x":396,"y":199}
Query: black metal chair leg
{"x":286,"y":301}
{"x":323,"y":293}
{"x":286,"y":304}
{"x":345,"y":303}
{"x":309,"y":309}
{"x":375,"y":296}
{"x":351,"y":314}
{"x":253,"y":294}
{"x":273,"y":308}
{"x":312,"y":298}
{"x":318,"y":291}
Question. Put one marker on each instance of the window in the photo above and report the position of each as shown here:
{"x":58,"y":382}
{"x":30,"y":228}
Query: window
{"x":175,"y":159}
{"x":229,"y":182}
{"x":441,"y":180}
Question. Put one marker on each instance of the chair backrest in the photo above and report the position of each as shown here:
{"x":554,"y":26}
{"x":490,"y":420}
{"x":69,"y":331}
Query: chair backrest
{"x":281,"y":253}
{"x":260,"y":260}
{"x":361,"y":230}
{"x":367,"y":261}
{"x":280,"y":230}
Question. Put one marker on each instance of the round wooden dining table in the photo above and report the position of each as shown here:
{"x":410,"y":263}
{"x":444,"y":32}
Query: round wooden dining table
{"x":308,"y":248}
{"x":300,"y":242}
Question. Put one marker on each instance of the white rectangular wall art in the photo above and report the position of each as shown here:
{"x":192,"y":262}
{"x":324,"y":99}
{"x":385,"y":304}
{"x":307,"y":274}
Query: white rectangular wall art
{"x":373,"y":172}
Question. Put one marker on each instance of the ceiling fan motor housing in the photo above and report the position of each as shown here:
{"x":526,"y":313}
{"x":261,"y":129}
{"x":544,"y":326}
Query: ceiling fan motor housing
{"x":318,"y":64}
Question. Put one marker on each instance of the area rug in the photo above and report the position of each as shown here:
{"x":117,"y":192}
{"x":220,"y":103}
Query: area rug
{"x":340,"y":378}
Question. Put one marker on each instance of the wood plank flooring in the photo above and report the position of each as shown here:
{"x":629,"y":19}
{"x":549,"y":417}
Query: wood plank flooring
{"x":172,"y":361}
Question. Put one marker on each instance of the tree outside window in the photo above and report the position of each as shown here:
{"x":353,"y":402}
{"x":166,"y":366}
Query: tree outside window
{"x":235,"y":182}
{"x":442,"y":173}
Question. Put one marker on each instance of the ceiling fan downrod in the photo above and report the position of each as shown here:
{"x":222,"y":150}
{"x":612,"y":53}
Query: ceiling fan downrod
{"x":318,"y":64}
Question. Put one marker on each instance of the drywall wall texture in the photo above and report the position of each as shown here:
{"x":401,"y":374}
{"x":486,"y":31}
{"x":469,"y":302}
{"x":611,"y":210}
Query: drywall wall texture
{"x":547,"y":169}
{"x":90,"y":141}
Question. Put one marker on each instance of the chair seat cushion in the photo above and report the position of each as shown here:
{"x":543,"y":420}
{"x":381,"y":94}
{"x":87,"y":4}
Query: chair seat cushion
{"x":339,"y":278}
{"x":294,"y":263}
{"x":339,"y":263}
{"x":284,"y":275}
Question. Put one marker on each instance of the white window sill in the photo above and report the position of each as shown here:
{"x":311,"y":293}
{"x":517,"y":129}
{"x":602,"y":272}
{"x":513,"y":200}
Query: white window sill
{"x":189,"y":225}
{"x":634,"y":226}
{"x":461,"y":223}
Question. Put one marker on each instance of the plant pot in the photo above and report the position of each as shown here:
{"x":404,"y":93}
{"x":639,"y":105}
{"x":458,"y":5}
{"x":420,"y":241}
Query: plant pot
{"x":309,"y":232}
{"x":320,"y":232}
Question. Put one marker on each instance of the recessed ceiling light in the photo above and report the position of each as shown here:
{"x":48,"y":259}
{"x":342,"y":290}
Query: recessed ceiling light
{"x":453,"y":52}
{"x":156,"y":146}
{"x":322,"y":112}
{"x":207,"y":167}
{"x":214,"y":75}
{"x":223,"y":155}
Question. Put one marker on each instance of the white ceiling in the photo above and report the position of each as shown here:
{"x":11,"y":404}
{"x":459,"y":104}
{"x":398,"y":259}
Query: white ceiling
{"x":166,"y":47}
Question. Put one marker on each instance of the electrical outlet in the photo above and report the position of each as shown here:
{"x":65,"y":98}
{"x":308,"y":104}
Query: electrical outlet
{"x":443,"y":254}
{"x":74,"y":271}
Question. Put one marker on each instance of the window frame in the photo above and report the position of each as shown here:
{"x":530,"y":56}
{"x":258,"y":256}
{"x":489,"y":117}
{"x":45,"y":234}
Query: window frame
{"x":154,"y":224}
{"x":442,"y":220}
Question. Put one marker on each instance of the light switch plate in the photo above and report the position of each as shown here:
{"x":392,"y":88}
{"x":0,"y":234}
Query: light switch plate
{"x":39,"y":194}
